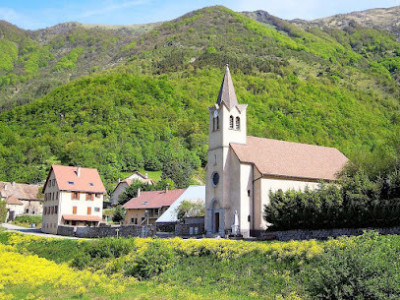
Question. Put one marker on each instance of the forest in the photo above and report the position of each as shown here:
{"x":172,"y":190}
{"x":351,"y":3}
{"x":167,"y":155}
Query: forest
{"x":326,"y":86}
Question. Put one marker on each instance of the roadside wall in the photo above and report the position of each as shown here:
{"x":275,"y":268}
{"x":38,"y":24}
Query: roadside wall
{"x":106,"y":231}
{"x":323,"y":234}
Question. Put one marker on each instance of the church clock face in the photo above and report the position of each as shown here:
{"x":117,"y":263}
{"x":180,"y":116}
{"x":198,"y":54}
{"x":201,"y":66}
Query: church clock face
{"x":215,"y":179}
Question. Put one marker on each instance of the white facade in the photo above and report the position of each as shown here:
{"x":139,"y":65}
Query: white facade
{"x":118,"y":191}
{"x":58,"y":203}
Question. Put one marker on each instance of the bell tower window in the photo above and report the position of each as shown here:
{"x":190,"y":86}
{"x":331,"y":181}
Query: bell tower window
{"x":237,"y":123}
{"x":231,"y":122}
{"x":216,"y":123}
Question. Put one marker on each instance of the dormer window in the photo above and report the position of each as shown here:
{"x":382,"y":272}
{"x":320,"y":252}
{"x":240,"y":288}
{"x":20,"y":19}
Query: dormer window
{"x":231,"y":122}
{"x":70,"y":182}
{"x":91,"y":184}
{"x":237,"y":123}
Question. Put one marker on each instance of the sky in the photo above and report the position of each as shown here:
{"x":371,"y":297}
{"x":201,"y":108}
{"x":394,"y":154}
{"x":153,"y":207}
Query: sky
{"x":36,"y":14}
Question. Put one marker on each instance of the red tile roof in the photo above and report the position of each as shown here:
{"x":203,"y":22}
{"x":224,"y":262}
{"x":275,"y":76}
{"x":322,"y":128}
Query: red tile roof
{"x":154,"y":199}
{"x":80,"y":218}
{"x":67,"y":179}
{"x":12,"y":200}
{"x":288,"y":159}
{"x":21,"y":191}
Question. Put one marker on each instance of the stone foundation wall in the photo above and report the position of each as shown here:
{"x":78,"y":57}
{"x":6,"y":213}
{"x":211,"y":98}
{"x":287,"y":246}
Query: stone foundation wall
{"x":165,"y":227}
{"x":189,"y":229}
{"x":106,"y":231}
{"x":322,"y":234}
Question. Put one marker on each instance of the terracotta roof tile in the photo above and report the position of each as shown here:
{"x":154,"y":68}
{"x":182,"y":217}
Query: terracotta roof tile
{"x":67,"y":179}
{"x":21,"y":191}
{"x":80,"y":218}
{"x":154,"y":199}
{"x":12,"y":200}
{"x":288,"y":159}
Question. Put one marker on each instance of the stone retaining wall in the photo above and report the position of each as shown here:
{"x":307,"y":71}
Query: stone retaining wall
{"x":323,"y":234}
{"x":189,"y":229}
{"x":106,"y":231}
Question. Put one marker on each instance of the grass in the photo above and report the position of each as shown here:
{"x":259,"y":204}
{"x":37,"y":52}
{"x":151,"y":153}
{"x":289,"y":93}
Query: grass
{"x":27,"y":221}
{"x":363,"y":267}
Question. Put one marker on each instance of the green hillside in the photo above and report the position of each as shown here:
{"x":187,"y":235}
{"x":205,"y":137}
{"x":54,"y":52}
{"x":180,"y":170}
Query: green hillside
{"x":333,"y":88}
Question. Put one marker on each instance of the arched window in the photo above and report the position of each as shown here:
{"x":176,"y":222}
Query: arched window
{"x":231,"y":122}
{"x":237,"y":123}
{"x":215,"y":123}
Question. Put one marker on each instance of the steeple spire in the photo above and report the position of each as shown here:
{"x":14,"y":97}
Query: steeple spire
{"x":227,"y":91}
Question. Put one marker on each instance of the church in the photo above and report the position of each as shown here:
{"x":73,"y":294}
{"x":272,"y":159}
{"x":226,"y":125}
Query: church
{"x":242,"y":169}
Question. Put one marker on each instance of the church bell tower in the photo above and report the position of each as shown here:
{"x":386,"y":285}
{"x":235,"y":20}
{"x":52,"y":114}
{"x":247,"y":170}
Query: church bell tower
{"x":227,"y":124}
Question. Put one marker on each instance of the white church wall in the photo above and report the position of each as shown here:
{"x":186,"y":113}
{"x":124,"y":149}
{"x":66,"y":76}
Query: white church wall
{"x":269,"y":184}
{"x":246,"y":178}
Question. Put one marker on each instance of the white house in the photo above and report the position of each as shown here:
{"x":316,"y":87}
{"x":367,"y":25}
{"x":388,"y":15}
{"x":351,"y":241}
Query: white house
{"x":242,"y":170}
{"x":122,"y":185}
{"x":72,"y":196}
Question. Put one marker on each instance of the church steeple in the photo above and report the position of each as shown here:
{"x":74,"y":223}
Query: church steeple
{"x":227,"y":91}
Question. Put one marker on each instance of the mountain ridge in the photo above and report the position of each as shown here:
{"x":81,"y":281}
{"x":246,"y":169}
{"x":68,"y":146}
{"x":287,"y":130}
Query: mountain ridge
{"x":150,"y":94}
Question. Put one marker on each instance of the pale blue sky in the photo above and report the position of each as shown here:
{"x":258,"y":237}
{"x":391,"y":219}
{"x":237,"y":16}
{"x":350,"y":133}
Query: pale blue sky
{"x":34,"y":14}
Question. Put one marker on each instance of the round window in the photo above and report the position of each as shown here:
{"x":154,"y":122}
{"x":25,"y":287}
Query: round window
{"x":215,"y":179}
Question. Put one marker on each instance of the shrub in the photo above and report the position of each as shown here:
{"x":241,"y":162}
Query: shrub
{"x":355,"y":268}
{"x":190,"y":209}
{"x":156,"y":257}
{"x":109,"y":247}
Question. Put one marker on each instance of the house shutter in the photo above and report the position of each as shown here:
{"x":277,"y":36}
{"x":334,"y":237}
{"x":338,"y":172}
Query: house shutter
{"x":89,"y":211}
{"x":74,"y":210}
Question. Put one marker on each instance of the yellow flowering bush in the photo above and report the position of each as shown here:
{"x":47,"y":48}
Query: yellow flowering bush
{"x":229,"y":249}
{"x":33,"y":271}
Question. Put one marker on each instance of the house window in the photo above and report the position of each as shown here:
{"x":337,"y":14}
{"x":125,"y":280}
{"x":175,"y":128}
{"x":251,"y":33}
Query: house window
{"x":75,"y":196}
{"x":74,"y":210}
{"x":70,"y":182}
{"x":134,"y":220}
{"x":89,"y":211}
{"x":89,"y":196}
{"x":216,"y":123}
{"x":97,"y":209}
{"x":231,"y":122}
{"x":27,"y":210}
{"x":57,"y":196}
{"x":248,"y":193}
{"x":56,"y":209}
{"x":98,"y":195}
{"x":237,"y":123}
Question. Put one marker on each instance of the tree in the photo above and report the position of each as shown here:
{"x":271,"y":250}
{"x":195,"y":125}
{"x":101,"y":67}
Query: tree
{"x":131,"y":191}
{"x":3,"y":211}
{"x":119,"y":214}
{"x":178,"y":164}
{"x":190,"y":209}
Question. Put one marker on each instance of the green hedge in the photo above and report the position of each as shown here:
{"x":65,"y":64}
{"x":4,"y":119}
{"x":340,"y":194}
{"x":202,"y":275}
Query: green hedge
{"x":354,"y":202}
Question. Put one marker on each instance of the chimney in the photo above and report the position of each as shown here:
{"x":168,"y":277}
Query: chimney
{"x":13,"y":183}
{"x":166,"y":188}
{"x":146,"y":175}
{"x":119,"y":180}
{"x":78,"y":171}
{"x":138,"y":193}
{"x":5,"y":187}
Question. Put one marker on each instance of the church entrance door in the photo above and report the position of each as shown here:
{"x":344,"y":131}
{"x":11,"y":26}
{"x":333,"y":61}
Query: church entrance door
{"x":216,"y":222}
